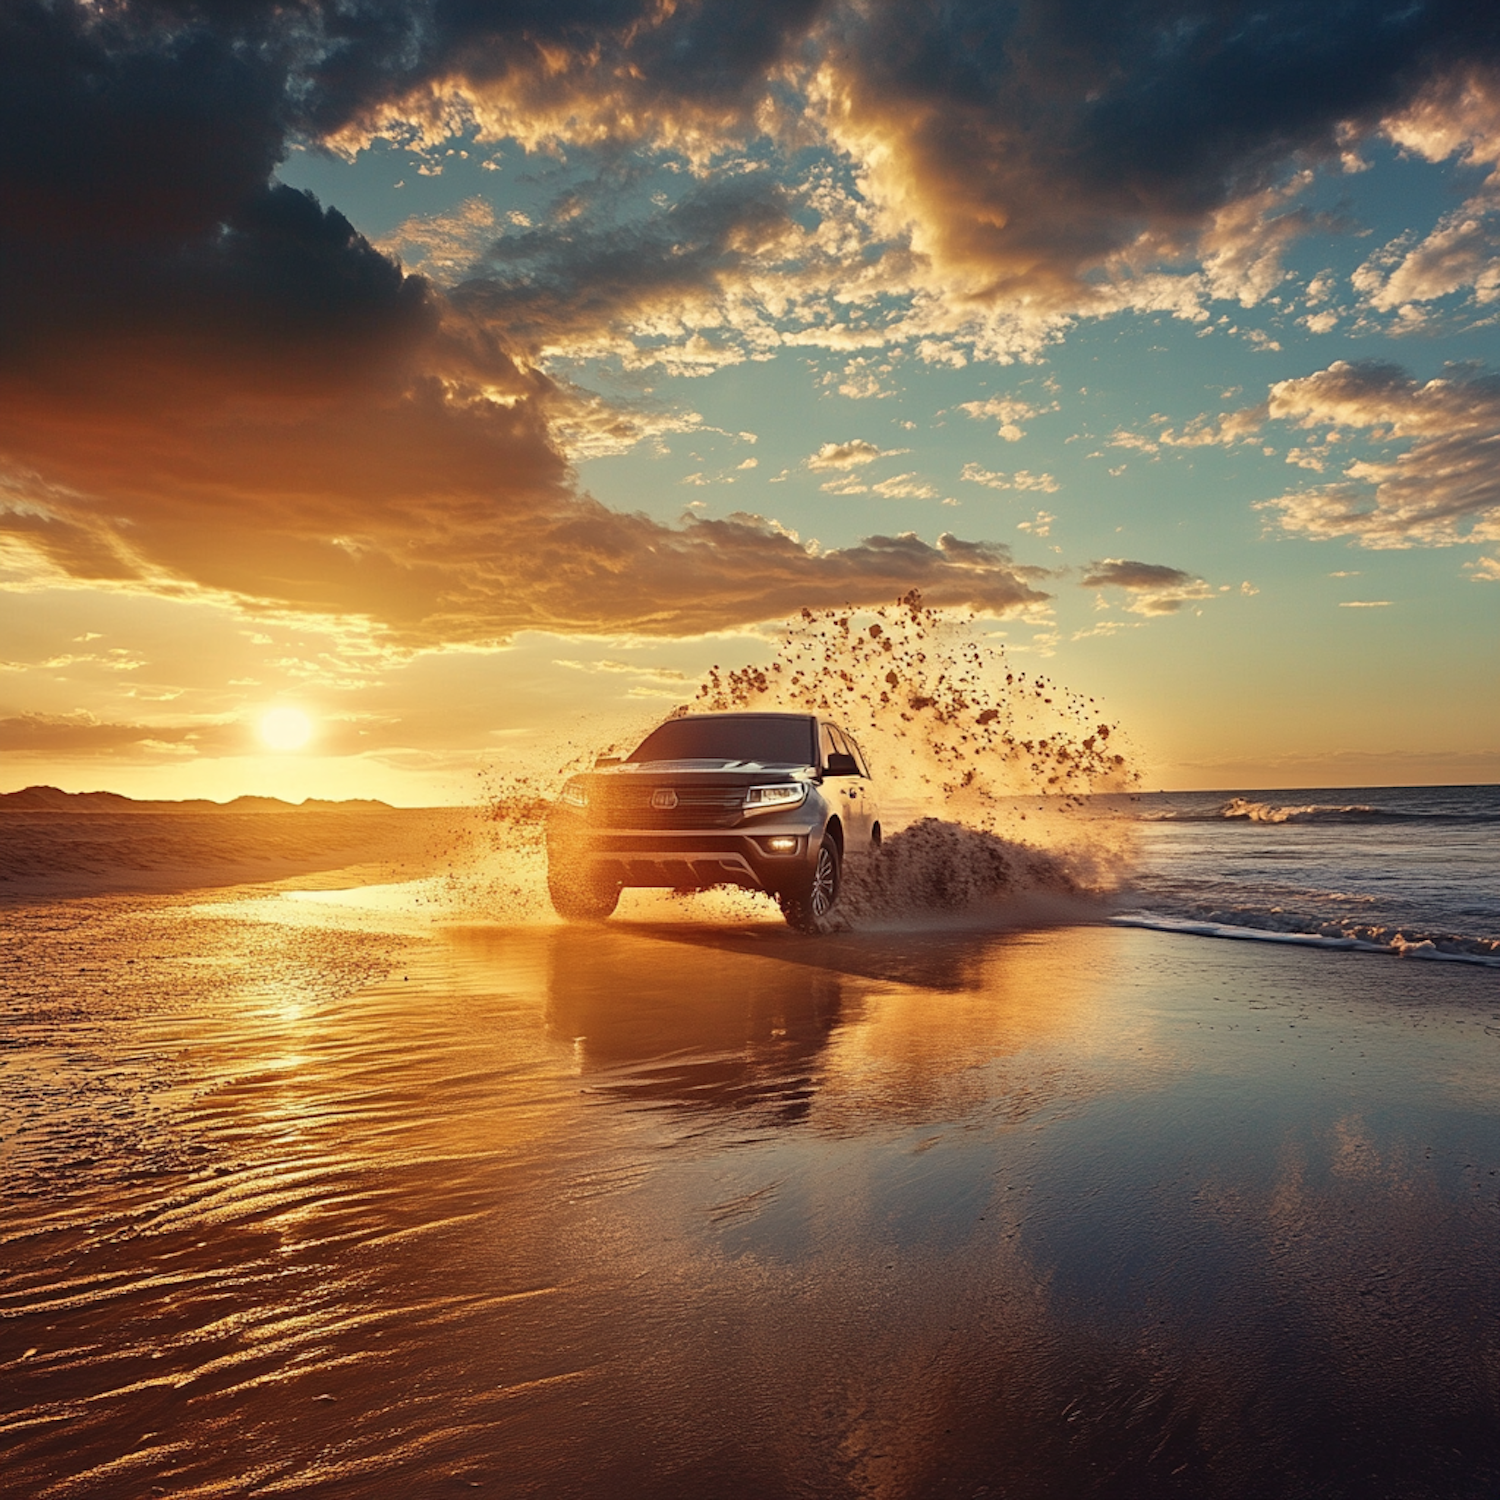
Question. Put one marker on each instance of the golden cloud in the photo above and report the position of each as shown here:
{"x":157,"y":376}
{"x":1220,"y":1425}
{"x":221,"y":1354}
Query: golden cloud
{"x":1442,"y":490}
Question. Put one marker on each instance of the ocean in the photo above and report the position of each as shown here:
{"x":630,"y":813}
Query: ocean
{"x":1413,"y":871}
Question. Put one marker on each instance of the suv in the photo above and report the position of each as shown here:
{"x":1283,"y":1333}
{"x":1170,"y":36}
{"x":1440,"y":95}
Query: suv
{"x":771,"y":802}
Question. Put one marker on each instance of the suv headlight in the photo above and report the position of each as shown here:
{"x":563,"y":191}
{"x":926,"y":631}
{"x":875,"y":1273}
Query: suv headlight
{"x":785,"y":794}
{"x":575,"y":794}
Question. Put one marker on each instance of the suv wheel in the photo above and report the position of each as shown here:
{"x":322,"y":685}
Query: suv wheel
{"x":581,"y":899}
{"x":810,"y":905}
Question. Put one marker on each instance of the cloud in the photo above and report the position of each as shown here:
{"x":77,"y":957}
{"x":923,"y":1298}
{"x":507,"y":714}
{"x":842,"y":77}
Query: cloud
{"x":72,"y":732}
{"x":625,"y":668}
{"x":1022,"y":479}
{"x":213,"y":386}
{"x":672,"y":288}
{"x":905,"y":487}
{"x":1229,"y":428}
{"x":849,"y":455}
{"x":445,"y":246}
{"x":1484,"y":569}
{"x":1008,"y":412}
{"x":1443,"y":489}
{"x":1457,"y":115}
{"x":1044,"y":155}
{"x":1243,"y":243}
{"x":82,"y":734}
{"x":1463,"y":251}
{"x":1117,"y":573}
{"x":1157,"y":588}
{"x":1016,"y":167}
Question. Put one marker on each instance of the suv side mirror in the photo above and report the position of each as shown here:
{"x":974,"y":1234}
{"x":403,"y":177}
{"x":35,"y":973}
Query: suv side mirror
{"x":840,"y":764}
{"x":606,"y":760}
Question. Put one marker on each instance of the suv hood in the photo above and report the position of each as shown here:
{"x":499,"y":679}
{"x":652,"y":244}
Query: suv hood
{"x":678,"y":768}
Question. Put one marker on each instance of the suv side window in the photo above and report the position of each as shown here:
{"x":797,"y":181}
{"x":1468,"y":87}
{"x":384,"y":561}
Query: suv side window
{"x":844,"y":746}
{"x":859,"y":756}
{"x":826,"y":745}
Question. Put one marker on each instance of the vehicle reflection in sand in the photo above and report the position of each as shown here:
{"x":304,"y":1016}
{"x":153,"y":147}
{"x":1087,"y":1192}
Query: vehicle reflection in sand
{"x":751,"y":1019}
{"x":691,"y":1028}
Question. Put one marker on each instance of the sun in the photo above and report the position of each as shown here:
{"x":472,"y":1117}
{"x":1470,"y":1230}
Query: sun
{"x":286,"y":728}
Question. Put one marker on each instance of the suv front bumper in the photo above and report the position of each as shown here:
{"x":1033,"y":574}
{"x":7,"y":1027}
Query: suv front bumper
{"x":685,"y":860}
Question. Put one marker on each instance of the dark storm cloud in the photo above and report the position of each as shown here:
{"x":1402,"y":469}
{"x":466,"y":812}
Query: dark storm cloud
{"x":140,"y":234}
{"x":209,"y":380}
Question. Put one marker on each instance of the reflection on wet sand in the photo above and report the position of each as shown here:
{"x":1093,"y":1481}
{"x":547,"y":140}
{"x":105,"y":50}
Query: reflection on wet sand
{"x":669,"y":1209}
{"x":687,"y":1029}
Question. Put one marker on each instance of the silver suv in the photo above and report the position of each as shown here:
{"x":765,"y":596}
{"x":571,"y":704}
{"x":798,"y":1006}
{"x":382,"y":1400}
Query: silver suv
{"x":772,"y":802}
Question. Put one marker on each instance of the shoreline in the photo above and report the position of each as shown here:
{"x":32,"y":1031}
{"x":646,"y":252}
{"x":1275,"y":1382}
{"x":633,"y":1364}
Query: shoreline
{"x":1186,"y":927}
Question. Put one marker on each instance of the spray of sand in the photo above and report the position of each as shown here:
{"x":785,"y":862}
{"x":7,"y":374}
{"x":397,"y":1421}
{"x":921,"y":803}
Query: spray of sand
{"x":984,"y":771}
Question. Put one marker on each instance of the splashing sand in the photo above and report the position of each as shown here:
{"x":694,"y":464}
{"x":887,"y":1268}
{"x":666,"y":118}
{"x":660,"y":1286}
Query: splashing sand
{"x":984,"y":773}
{"x":950,"y":725}
{"x":937,"y":871}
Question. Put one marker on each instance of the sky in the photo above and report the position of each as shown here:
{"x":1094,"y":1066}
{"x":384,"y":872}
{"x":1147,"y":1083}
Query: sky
{"x":390,"y":392}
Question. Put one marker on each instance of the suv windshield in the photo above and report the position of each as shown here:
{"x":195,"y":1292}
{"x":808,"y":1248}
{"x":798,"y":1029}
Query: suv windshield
{"x":763,"y":738}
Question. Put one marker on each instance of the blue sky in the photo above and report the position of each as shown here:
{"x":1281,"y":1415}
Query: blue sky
{"x":607,"y":340}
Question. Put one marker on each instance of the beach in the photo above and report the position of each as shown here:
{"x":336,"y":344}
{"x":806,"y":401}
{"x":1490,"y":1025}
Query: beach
{"x":169,"y":848}
{"x":309,"y":1191}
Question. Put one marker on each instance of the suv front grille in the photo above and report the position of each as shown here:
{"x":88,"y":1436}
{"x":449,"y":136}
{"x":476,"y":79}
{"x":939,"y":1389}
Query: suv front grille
{"x":626,"y":804}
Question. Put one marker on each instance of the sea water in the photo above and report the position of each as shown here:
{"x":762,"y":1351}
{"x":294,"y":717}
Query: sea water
{"x":1413,"y":871}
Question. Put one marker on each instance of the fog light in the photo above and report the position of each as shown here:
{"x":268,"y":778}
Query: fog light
{"x":781,"y":846}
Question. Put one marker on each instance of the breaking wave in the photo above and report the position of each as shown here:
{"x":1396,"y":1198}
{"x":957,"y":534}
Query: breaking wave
{"x":1264,"y":812}
{"x":1244,"y":810}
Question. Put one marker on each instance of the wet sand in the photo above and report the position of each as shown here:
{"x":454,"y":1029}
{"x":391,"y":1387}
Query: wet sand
{"x":302,"y":1195}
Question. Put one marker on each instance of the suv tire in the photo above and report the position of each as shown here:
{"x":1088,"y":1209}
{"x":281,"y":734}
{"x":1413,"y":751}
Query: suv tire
{"x":581,"y":900}
{"x":809,"y":906}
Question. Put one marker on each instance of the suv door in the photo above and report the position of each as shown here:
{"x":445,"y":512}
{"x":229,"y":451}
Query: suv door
{"x":869,"y":797}
{"x":847,"y":793}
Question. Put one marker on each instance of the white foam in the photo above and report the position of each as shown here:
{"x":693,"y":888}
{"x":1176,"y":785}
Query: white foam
{"x":1397,"y":947}
{"x":1266,"y":812}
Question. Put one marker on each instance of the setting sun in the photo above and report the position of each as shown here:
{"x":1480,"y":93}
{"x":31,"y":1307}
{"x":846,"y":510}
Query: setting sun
{"x":286,"y":729}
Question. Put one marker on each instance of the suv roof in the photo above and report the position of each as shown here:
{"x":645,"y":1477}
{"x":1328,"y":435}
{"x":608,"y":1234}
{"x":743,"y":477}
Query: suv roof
{"x":744,"y":713}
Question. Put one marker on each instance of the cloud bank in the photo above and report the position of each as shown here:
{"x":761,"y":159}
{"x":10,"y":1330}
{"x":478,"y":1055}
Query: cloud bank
{"x":1442,"y":490}
{"x":211,"y":383}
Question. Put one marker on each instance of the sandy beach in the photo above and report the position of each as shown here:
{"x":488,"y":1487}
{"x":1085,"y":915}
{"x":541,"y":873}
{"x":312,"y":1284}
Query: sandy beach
{"x":307,"y":1191}
{"x":156,"y":847}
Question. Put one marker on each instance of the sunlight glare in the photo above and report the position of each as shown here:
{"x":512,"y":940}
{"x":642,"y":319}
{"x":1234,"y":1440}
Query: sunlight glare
{"x":286,"y":729}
